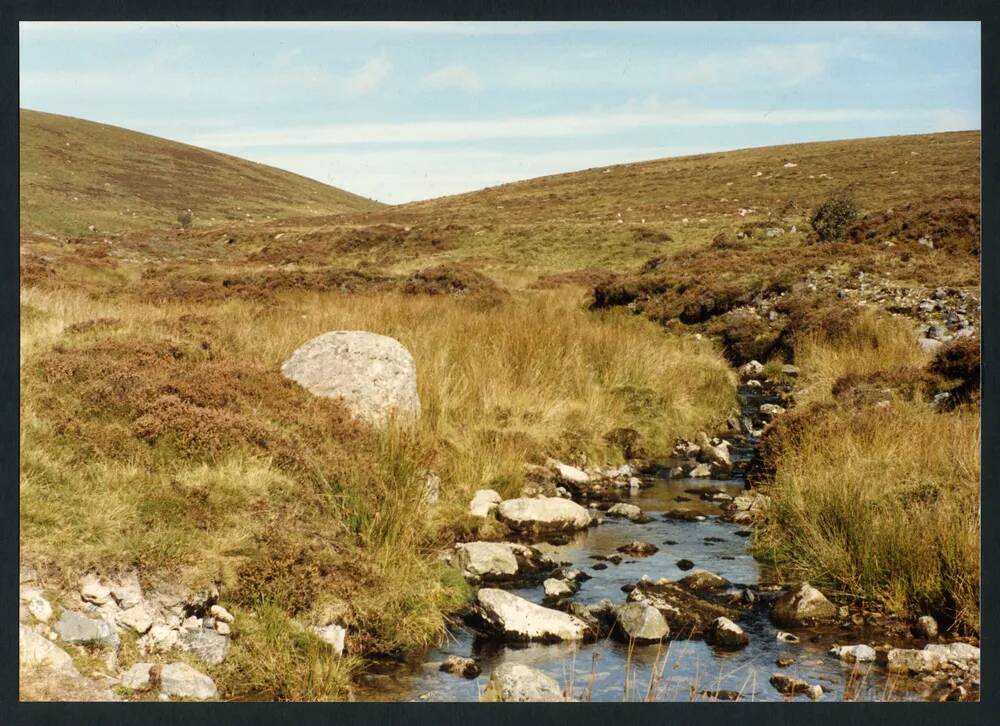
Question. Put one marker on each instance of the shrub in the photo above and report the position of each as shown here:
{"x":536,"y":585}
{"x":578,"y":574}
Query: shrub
{"x":832,"y":218}
{"x":184,"y":218}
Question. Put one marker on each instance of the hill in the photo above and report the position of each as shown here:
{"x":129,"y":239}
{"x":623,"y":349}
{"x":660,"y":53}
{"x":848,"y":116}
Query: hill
{"x":622,"y":215}
{"x":77,"y":173}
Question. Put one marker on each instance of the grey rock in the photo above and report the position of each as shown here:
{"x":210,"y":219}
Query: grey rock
{"x":641,"y":622}
{"x":34,"y":649}
{"x":724,"y":633}
{"x":374,"y":374}
{"x":520,"y":620}
{"x":459,"y":666}
{"x":802,"y":605}
{"x":484,"y":502}
{"x":514,"y":682}
{"x":543,"y":515}
{"x":853,"y":653}
{"x":333,"y":634}
{"x":703,"y":580}
{"x":927,"y":626}
{"x":180,"y":679}
{"x":79,"y":629}
{"x":208,"y":646}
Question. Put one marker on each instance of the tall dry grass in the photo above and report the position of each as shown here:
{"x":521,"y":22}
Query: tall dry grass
{"x":499,"y":384}
{"x":880,"y":502}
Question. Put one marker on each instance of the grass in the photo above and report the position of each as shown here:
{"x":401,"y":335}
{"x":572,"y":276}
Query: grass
{"x":877,"y":501}
{"x":167,"y":439}
{"x":77,"y":173}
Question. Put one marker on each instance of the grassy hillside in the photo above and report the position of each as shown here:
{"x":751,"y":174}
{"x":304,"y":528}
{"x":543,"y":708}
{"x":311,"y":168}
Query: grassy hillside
{"x":77,"y":173}
{"x":620,"y":216}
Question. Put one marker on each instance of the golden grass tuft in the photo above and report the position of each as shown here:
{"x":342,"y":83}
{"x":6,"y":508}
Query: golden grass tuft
{"x":878,"y":501}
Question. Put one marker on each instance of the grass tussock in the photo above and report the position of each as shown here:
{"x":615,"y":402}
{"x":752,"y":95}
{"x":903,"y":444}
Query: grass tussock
{"x":877,"y":499}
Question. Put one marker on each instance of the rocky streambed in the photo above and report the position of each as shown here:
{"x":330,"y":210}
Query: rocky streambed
{"x":662,"y":600}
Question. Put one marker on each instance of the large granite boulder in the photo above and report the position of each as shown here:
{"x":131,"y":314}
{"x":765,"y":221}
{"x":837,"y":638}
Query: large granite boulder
{"x":374,"y":374}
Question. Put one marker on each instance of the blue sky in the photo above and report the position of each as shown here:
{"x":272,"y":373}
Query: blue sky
{"x":404,"y":111}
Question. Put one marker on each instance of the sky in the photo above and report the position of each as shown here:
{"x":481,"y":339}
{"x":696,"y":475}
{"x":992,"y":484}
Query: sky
{"x":405,"y":111}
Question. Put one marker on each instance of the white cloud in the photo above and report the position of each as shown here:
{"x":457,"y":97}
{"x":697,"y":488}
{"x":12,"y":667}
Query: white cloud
{"x":368,"y":77}
{"x":458,"y":76}
{"x":537,"y":127}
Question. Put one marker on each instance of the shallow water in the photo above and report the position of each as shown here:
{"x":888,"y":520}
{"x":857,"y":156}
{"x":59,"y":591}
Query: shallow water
{"x":688,"y":663}
{"x":688,"y":667}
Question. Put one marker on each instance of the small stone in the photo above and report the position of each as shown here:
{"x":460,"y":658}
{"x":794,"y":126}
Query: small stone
{"x":484,"y":501}
{"x":906,"y":660}
{"x":788,"y":685}
{"x":853,"y":653}
{"x":458,"y":666}
{"x":220,"y":613}
{"x":784,"y":662}
{"x":926,"y":627}
{"x":222,"y":627}
{"x":137,"y":618}
{"x":80,"y":630}
{"x":159,"y":639}
{"x":180,"y":679}
{"x":786,"y":637}
{"x":556,"y":588}
{"x":137,"y":677}
{"x":40,"y":608}
{"x":684,"y":564}
{"x":639,"y":549}
{"x":724,"y":633}
{"x":815,"y":692}
{"x":701,"y":470}
{"x":33,"y":649}
{"x":703,"y":580}
{"x":641,"y":622}
{"x":91,"y":590}
{"x":333,"y":634}
{"x":208,"y":646}
{"x":514,"y":682}
{"x":628,"y":511}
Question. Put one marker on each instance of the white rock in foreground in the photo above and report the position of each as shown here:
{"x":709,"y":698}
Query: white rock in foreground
{"x":513,"y":682}
{"x":374,"y":374}
{"x":519,"y":619}
{"x":543,"y":514}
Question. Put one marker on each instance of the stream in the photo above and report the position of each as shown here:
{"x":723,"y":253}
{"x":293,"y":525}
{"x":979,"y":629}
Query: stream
{"x":609,"y":670}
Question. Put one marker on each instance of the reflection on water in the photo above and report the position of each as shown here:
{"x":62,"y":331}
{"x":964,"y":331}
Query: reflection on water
{"x":672,"y":671}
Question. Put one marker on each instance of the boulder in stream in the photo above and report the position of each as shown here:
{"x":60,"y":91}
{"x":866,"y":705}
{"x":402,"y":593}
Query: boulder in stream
{"x":518,"y":619}
{"x":515,"y":682}
{"x":687,"y":614}
{"x":703,"y":580}
{"x":802,"y":605}
{"x":724,"y":633}
{"x":543,"y":515}
{"x":640,"y":622}
{"x":498,"y":561}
